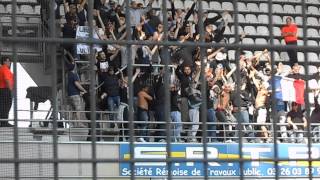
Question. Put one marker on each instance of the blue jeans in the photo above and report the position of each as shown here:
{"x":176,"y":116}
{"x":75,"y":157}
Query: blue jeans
{"x":177,"y":127}
{"x":142,"y":116}
{"x":243,"y":117}
{"x":112,"y":102}
{"x":159,"y":117}
{"x":211,"y":118}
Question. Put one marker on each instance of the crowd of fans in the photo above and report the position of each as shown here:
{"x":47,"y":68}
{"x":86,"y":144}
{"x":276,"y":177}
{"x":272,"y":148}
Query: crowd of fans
{"x":232,"y":95}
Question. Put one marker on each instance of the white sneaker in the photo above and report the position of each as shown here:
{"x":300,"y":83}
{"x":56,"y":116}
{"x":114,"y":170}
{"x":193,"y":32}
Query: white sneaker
{"x":229,"y":141}
{"x":141,"y":140}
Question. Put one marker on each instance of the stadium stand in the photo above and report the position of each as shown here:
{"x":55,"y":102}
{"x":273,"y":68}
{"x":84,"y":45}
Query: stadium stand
{"x":253,"y":21}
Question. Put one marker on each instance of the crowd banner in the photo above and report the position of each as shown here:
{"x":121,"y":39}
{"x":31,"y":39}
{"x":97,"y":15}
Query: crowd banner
{"x":263,"y":154}
{"x":83,"y":33}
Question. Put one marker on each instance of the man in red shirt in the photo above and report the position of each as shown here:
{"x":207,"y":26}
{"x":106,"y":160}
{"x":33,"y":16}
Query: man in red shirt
{"x":6,"y":87}
{"x":289,"y":33}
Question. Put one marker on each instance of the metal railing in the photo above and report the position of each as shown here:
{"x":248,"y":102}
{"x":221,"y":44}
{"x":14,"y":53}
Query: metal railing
{"x":117,"y":130}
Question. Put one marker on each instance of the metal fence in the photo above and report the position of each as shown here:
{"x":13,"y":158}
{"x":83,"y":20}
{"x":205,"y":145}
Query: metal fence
{"x":45,"y":65}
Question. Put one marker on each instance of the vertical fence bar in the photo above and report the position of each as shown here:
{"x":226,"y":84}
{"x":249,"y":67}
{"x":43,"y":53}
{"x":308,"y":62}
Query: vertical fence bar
{"x":273,"y":109}
{"x":167,"y":106}
{"x":92,"y":92}
{"x":239,"y":124}
{"x":306,"y":95}
{"x":204,"y":105}
{"x":53,"y":56}
{"x":130,"y":83}
{"x":15,"y":90}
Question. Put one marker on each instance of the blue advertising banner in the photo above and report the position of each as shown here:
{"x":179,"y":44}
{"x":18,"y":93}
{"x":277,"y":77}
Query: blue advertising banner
{"x":229,"y":152}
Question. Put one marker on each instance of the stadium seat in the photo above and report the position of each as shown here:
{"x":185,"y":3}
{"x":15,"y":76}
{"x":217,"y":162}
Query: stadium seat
{"x":215,"y":5}
{"x":205,"y":5}
{"x":312,"y":21}
{"x":298,"y":9}
{"x":26,"y":9}
{"x":313,"y":10}
{"x":312,"y":69}
{"x":156,"y":4}
{"x":261,"y":41}
{"x":276,"y":31}
{"x":277,"y":19}
{"x":251,"y":18}
{"x":242,"y":6}
{"x":227,"y":6}
{"x":289,"y":9}
{"x":298,"y":20}
{"x":248,"y":41}
{"x":313,"y":57}
{"x":276,"y":56}
{"x":263,"y":7}
{"x":187,"y":4}
{"x":251,"y":30}
{"x":276,"y":42}
{"x":263,"y":30}
{"x":2,"y":8}
{"x":284,"y":56}
{"x":263,"y":18}
{"x":231,"y":40}
{"x":312,"y":43}
{"x":227,"y":31}
{"x":9,"y":8}
{"x":240,"y":30}
{"x":312,"y":32}
{"x":179,"y":4}
{"x":277,"y":8}
{"x":253,"y":7}
{"x":231,"y":54}
{"x":300,"y":56}
{"x":37,"y":9}
{"x":241,"y":18}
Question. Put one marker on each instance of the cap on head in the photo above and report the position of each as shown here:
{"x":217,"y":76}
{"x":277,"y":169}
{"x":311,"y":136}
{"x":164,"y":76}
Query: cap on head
{"x":221,"y":56}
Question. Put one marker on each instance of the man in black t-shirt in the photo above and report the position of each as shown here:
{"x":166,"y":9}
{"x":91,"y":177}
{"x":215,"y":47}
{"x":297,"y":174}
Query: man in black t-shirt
{"x":297,"y":122}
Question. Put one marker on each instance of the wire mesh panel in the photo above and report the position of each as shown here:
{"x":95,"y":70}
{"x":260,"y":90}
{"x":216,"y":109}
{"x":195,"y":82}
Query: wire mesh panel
{"x":159,"y":89}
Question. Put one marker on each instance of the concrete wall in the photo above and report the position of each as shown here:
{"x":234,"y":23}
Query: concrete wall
{"x":43,"y":150}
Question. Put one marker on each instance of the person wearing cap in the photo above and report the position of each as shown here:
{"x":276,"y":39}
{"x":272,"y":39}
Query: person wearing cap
{"x":290,"y":36}
{"x":297,"y":123}
{"x":75,"y":89}
{"x":6,"y":88}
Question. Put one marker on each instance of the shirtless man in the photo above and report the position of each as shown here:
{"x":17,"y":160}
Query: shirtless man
{"x":260,"y":104}
{"x":143,"y":112}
